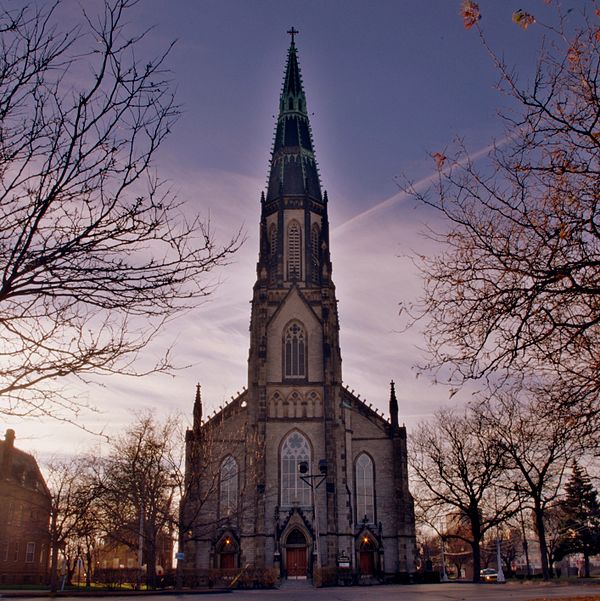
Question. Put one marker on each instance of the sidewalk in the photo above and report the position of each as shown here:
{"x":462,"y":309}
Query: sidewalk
{"x":11,"y":593}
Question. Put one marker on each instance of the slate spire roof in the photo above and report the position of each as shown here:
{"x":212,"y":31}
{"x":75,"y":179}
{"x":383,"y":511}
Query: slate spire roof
{"x":293,"y":169}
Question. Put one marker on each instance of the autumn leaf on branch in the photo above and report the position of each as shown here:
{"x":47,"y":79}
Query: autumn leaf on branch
{"x":439,"y":159}
{"x":523,"y":19}
{"x":470,"y":13}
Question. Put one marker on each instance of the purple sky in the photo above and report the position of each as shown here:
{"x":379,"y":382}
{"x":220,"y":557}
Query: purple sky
{"x":387,"y":83}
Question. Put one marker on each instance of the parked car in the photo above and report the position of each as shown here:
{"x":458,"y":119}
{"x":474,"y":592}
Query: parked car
{"x":488,"y":575}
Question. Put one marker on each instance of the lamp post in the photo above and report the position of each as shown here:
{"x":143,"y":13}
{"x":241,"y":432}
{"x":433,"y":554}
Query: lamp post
{"x":500,"y":577}
{"x":314,"y":481}
{"x":444,"y":574}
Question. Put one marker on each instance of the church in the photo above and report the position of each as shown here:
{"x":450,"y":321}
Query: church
{"x":296,"y":477}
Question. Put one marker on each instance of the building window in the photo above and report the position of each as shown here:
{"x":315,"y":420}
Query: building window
{"x":228,"y":486}
{"x":294,"y":351}
{"x":315,"y":236}
{"x":273,"y":239}
{"x":30,"y":553}
{"x":294,"y":491}
{"x":365,"y":493}
{"x":16,"y":551}
{"x":294,"y":254}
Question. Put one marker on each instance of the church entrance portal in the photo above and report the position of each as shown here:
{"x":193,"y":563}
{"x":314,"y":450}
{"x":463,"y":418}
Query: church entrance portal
{"x":296,"y":550}
{"x":366,"y":557}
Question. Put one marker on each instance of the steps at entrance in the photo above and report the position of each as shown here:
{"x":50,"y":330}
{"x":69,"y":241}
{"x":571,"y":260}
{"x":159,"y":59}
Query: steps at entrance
{"x":295,"y":584}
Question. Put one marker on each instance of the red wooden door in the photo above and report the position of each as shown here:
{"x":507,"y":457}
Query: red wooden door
{"x":227,"y":561}
{"x":367,"y":563}
{"x":296,"y":562}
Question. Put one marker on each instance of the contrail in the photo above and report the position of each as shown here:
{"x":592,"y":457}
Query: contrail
{"x":417,"y":186}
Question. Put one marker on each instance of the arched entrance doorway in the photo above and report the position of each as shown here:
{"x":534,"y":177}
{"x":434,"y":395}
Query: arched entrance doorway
{"x":227,"y":553}
{"x":366,"y":556}
{"x":296,"y":555}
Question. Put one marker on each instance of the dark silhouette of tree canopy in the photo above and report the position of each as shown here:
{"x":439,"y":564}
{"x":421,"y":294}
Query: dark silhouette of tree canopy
{"x":580,"y":510}
{"x":516,"y":285}
{"x":95,"y":253}
{"x":457,"y":465}
{"x":73,"y":510}
{"x":538,"y":449}
{"x":137,"y":487}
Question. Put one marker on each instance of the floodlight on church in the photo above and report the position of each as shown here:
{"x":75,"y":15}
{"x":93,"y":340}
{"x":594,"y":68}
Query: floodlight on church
{"x":303,"y":467}
{"x":323,"y":466}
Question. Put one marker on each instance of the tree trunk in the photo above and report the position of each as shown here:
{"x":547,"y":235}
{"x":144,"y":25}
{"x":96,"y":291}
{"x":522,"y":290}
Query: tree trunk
{"x":89,"y":568}
{"x":586,"y":564}
{"x":53,"y":555}
{"x":541,"y":532}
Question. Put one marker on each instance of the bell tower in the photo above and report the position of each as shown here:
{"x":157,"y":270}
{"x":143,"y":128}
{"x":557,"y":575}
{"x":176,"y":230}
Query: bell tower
{"x":294,"y":362}
{"x":294,"y":232}
{"x":349,"y":504}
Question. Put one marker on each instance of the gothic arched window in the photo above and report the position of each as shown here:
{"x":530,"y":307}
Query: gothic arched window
{"x":294,"y":491}
{"x":365,"y":491}
{"x":294,"y":351}
{"x":273,"y":239}
{"x":315,"y":236}
{"x":294,"y":251}
{"x":228,"y":486}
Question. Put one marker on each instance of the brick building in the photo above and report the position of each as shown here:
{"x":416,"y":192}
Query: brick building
{"x":24,"y":517}
{"x":297,"y":475}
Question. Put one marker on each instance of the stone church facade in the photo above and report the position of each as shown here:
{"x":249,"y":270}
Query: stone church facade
{"x":297,"y":475}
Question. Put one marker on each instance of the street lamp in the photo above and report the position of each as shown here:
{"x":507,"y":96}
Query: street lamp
{"x":314,"y":481}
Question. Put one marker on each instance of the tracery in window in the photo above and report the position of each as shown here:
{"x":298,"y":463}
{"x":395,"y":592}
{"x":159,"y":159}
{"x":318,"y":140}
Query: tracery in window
{"x":365,"y":493}
{"x":294,"y":351}
{"x":228,"y":486}
{"x":294,"y":491}
{"x":294,"y":251}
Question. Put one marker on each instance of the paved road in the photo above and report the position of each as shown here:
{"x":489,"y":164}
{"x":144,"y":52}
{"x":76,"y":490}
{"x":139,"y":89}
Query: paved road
{"x":420,"y":592}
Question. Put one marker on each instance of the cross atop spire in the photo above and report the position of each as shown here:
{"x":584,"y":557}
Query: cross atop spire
{"x":293,"y":32}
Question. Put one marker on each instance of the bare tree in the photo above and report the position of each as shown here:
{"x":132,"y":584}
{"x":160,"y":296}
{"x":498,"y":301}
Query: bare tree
{"x":95,"y":253}
{"x":73,"y":497}
{"x":516,"y":285}
{"x":538,"y":446}
{"x":457,"y":464}
{"x":137,"y":488}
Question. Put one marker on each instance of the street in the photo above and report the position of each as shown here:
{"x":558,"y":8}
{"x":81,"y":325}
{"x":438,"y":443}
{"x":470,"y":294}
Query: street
{"x":420,"y":592}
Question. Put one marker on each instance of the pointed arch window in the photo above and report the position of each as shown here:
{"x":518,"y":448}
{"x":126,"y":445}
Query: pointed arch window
{"x":315,"y":236}
{"x":294,"y":251}
{"x":228,"y":487}
{"x":273,"y":240}
{"x":294,"y":491}
{"x":294,"y":351}
{"x":365,"y":491}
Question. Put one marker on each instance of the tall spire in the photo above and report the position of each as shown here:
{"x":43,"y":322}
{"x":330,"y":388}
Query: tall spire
{"x":197,"y":409}
{"x":393,"y":407}
{"x":293,"y":166}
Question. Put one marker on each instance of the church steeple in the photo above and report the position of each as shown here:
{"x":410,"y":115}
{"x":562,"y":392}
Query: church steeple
{"x":197,"y":410}
{"x":293,"y":169}
{"x":294,"y":234}
{"x":393,"y":407}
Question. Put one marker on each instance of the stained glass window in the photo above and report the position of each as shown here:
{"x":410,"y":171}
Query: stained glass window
{"x":365,"y":493}
{"x":228,"y":486}
{"x":294,"y":491}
